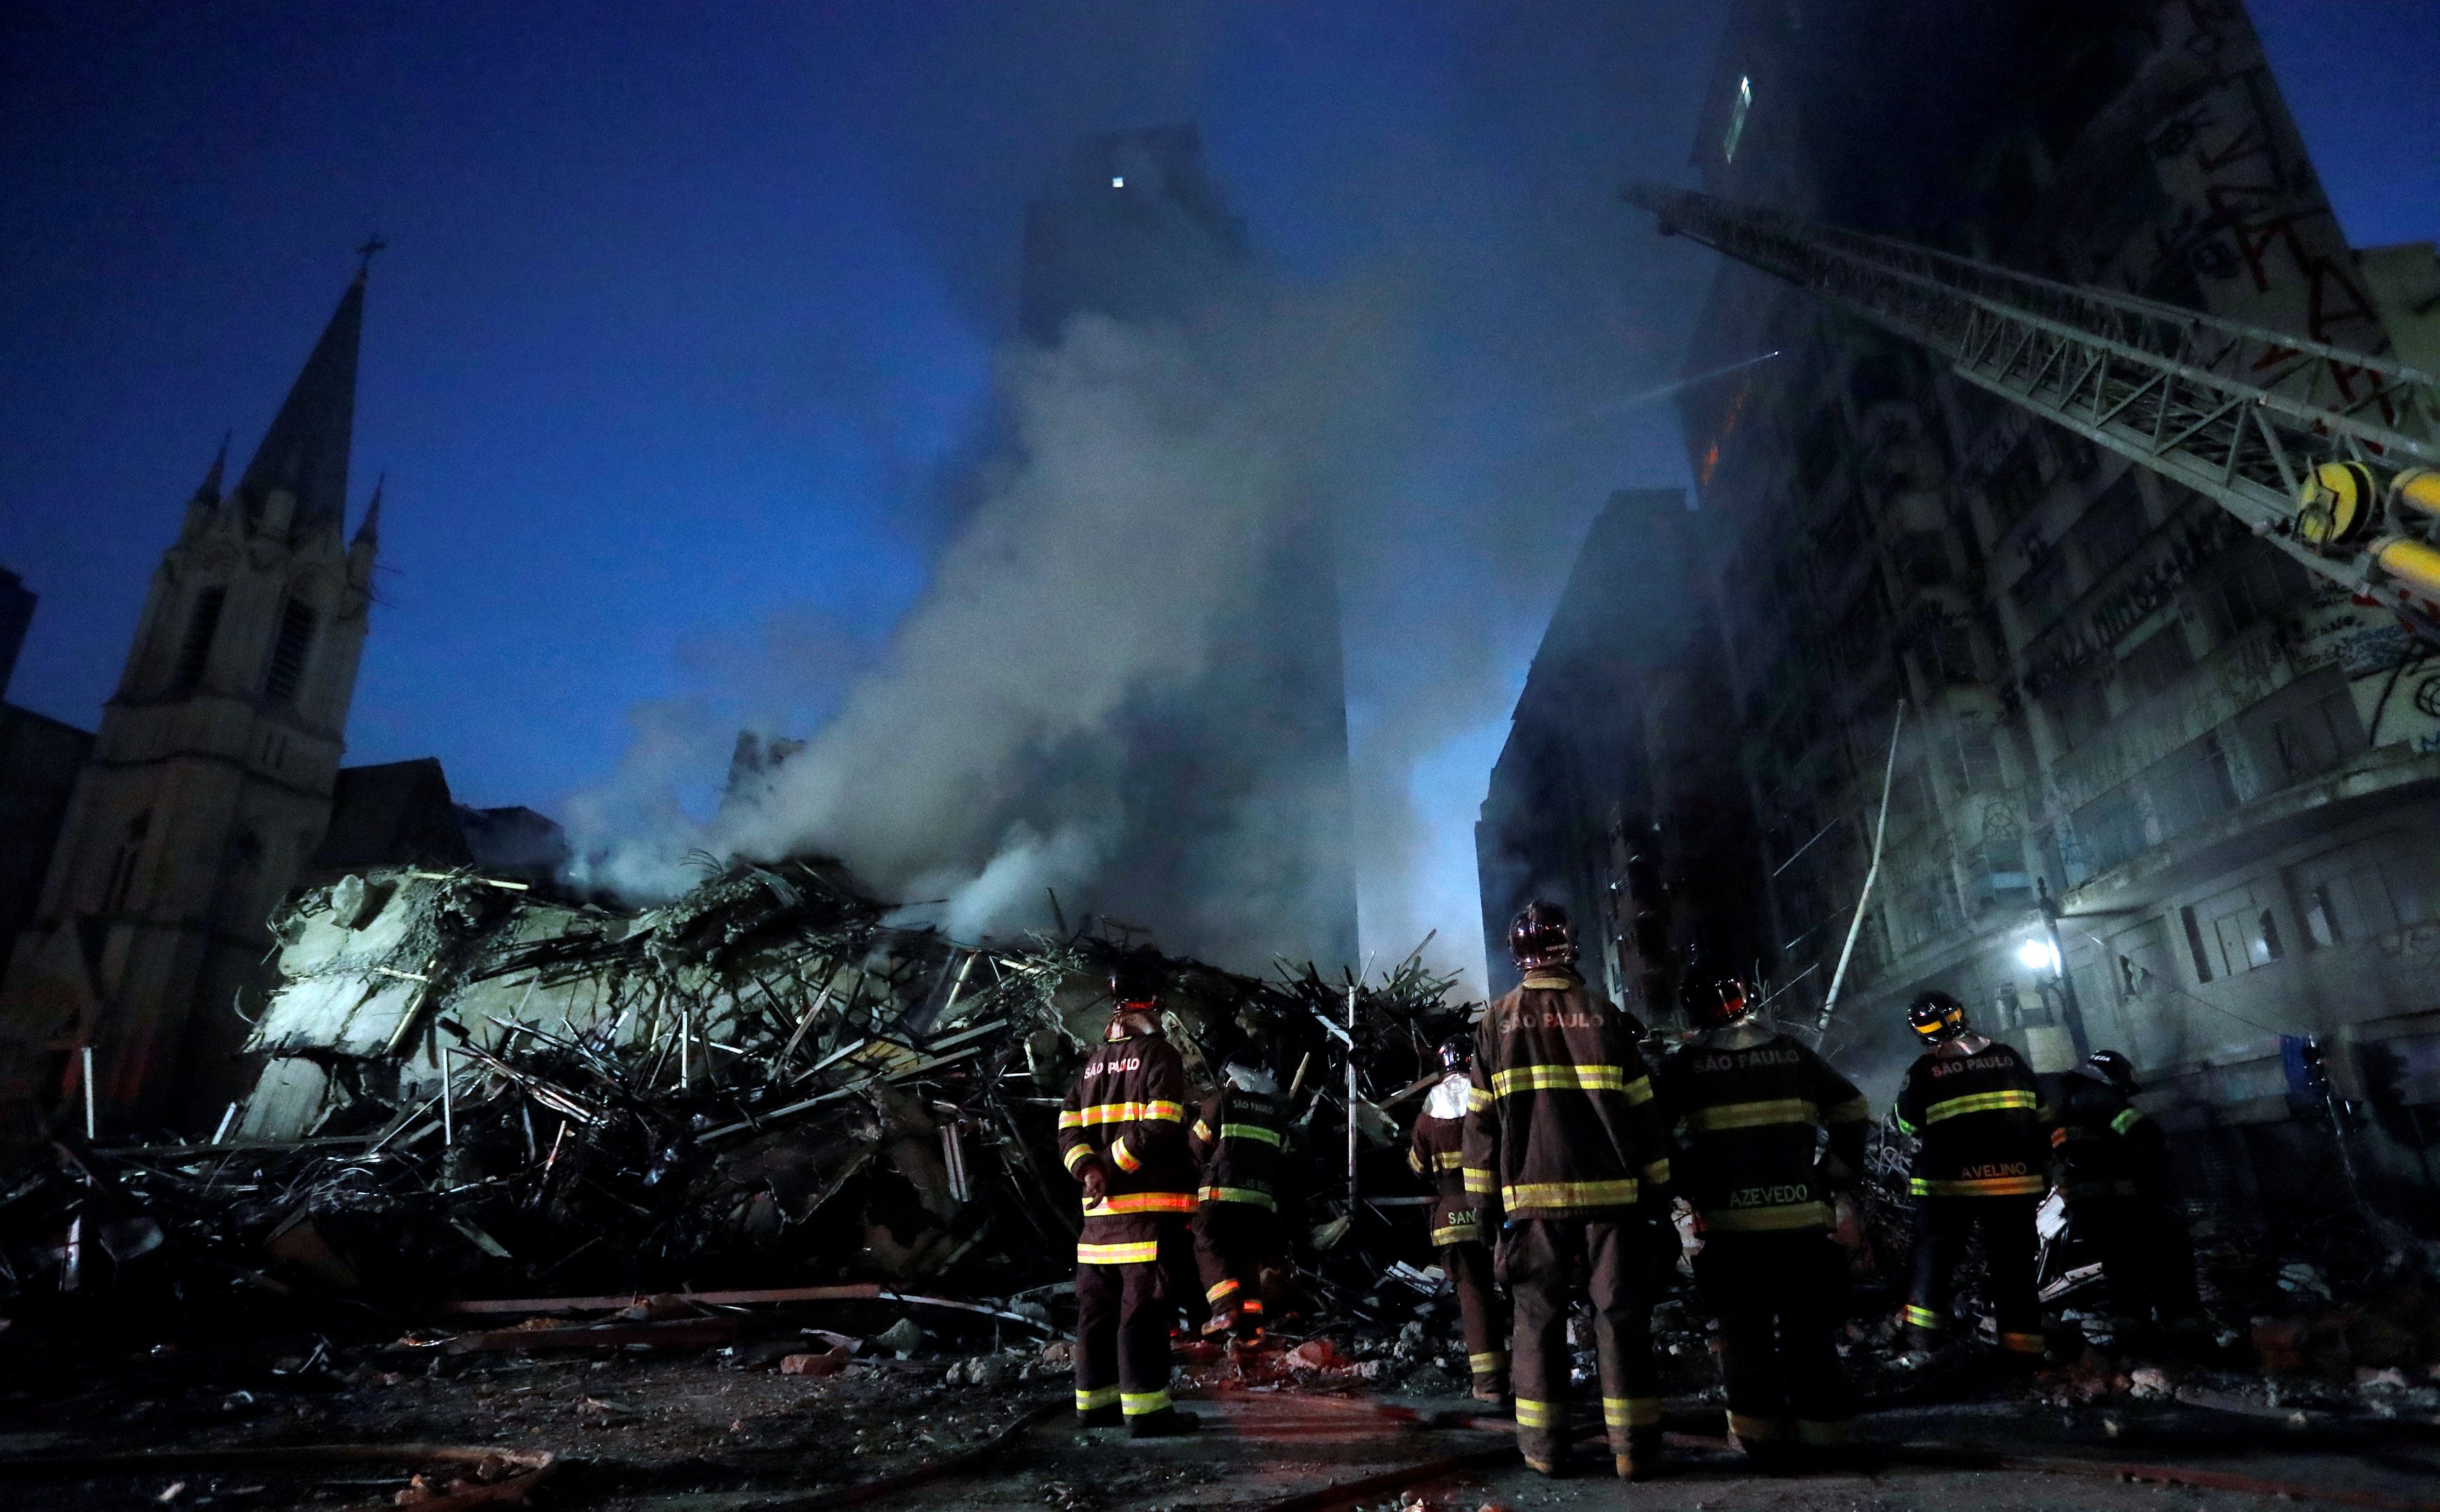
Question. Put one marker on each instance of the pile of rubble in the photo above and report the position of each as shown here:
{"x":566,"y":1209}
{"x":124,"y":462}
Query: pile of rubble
{"x":470,"y":1088}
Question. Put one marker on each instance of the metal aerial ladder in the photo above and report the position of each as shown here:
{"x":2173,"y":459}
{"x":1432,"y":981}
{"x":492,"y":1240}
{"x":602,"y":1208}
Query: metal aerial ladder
{"x":2328,"y":454}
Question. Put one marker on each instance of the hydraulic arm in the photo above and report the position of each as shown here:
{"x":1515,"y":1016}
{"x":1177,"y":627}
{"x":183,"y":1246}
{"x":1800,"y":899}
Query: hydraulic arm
{"x":2326,"y":452}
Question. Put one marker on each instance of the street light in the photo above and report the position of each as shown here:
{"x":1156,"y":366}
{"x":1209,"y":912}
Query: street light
{"x":2052,"y":958}
{"x":2038,"y":954}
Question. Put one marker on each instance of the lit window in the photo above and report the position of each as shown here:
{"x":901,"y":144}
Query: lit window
{"x":1737,"y":121}
{"x":1118,"y":181}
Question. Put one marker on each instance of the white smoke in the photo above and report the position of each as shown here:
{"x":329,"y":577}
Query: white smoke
{"x":981,"y":760}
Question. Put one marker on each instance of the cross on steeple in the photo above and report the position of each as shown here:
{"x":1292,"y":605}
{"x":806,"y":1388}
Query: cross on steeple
{"x":372,"y":245}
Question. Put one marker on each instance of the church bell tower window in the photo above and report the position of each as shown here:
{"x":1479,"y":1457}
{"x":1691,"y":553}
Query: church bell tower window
{"x":289,"y":653}
{"x":196,"y":652}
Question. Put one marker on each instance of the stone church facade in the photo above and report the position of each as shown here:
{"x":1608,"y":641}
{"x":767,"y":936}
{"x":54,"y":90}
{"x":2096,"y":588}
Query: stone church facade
{"x":210,"y":784}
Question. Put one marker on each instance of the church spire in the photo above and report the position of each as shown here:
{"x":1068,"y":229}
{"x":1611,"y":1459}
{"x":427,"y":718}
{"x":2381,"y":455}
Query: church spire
{"x":305,"y":451}
{"x":208,"y":492}
{"x":368,"y":533}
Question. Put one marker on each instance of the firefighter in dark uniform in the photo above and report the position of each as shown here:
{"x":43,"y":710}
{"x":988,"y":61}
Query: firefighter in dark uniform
{"x":1751,"y":1108}
{"x":1986,"y":1142}
{"x":1564,"y":1149}
{"x":2113,"y":1169}
{"x":1238,"y":1138}
{"x":1436,"y":1151}
{"x":1123,"y":1134}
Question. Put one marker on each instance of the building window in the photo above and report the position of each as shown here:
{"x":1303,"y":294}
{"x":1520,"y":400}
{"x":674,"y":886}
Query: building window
{"x":2366,"y":891}
{"x":2082,"y":709}
{"x":2253,"y":591}
{"x":2111,"y":527}
{"x":2234,"y":934}
{"x":1737,"y":121}
{"x":122,"y":866}
{"x":202,"y":626}
{"x":2158,"y":663}
{"x":289,"y":652}
{"x":2015,"y":487}
{"x":2111,"y":829}
{"x":2044,"y":590}
{"x":2194,"y":784}
{"x":2313,"y":741}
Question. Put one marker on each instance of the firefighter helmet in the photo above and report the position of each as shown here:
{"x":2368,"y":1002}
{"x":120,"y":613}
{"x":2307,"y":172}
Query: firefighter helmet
{"x":1455,"y":1053}
{"x":1936,"y":1016}
{"x":1135,"y":980}
{"x":1726,"y":1002}
{"x":1542,"y":936}
{"x":2115,"y":1069}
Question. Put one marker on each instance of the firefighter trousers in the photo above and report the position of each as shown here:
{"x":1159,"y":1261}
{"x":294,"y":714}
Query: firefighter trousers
{"x":1180,"y":1287}
{"x":1781,"y":1299}
{"x":1233,"y":1241}
{"x":1468,"y":1267}
{"x":1123,"y":1319}
{"x":2007,"y":1226}
{"x":1547,"y":1262}
{"x":2147,"y":1261}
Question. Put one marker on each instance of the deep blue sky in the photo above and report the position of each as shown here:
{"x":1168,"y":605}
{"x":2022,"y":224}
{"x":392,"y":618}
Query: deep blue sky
{"x":688,"y":308}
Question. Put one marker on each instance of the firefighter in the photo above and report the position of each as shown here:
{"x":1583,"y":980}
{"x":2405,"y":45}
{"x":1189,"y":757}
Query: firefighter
{"x":1238,"y":1138}
{"x":1123,"y":1134}
{"x":1565,"y":1150}
{"x":1436,"y":1151}
{"x":2113,"y":1169}
{"x":1751,"y":1108}
{"x":1976,"y":1108}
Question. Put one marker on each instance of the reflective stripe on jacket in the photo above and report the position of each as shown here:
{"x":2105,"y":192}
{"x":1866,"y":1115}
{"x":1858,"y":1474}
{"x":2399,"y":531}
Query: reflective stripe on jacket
{"x":1238,"y":1137}
{"x":1562,"y":1121}
{"x":1127,"y":1110}
{"x":1749,"y":1118}
{"x":1979,"y":1117}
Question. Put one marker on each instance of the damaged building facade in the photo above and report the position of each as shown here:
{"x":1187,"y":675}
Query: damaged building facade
{"x":2222,"y":775}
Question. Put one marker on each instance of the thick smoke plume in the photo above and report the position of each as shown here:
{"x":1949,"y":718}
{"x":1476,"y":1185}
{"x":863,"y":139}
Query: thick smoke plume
{"x":996,"y":753}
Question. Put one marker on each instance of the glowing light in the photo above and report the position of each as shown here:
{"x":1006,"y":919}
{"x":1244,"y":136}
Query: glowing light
{"x":1737,"y":121}
{"x":1118,"y":181}
{"x":2039,"y":955}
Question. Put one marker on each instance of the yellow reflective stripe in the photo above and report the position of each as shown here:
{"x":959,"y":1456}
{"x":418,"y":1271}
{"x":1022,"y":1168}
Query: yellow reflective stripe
{"x":1639,"y":1092}
{"x":1122,"y":1112}
{"x":1414,"y":1163}
{"x":1203,"y":1130}
{"x":1251,"y":1306}
{"x":1924,"y":1317}
{"x":1767,"y":1219}
{"x":1979,"y":1186}
{"x":1630,"y":1412}
{"x":1240,"y":1194}
{"x":1657,"y":1172}
{"x":1268,"y":1136}
{"x":1142,"y":1252}
{"x":1075,"y":1154}
{"x":2022,"y":1344}
{"x":1218,"y":1289}
{"x":1478,"y":1182}
{"x":1530,"y":1414}
{"x":1620,"y":1193}
{"x":1459,"y":1229}
{"x":1980,"y":1102}
{"x":1125,"y":1158}
{"x":1754,"y":1115}
{"x":1141,"y":1203}
{"x":1556,"y":1077}
{"x":1477,"y":1098}
{"x":1903,"y":1126}
{"x":1138,"y":1404}
{"x":1752,"y":1430}
{"x":1099,"y":1397}
{"x":1854,"y":1110}
{"x":1449,"y":1160}
{"x":2126,"y":1121}
{"x":1487,"y":1362}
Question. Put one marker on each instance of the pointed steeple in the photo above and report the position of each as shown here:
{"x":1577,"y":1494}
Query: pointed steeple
{"x":368,"y":533}
{"x":208,"y":492}
{"x":306,"y":448}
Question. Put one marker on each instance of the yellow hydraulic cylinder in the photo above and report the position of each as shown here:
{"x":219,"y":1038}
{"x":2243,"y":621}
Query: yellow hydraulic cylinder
{"x":2411,"y":562}
{"x":2338,"y":503}
{"x":2417,"y":488}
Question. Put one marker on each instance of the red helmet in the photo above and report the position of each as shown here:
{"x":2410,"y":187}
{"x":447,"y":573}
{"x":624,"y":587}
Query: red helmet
{"x":1728,"y":1001}
{"x":1542,"y":936}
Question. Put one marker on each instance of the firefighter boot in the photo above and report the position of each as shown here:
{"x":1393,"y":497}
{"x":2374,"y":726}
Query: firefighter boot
{"x":1167,"y":1423}
{"x":1643,"y":1457}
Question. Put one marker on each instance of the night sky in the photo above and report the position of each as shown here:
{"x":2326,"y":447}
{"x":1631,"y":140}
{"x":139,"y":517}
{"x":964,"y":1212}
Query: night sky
{"x":690,"y":313}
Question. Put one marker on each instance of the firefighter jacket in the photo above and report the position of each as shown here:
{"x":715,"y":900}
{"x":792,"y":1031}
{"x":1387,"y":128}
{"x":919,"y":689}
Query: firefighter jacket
{"x":1561,"y":1121}
{"x":1749,"y":1106}
{"x":2106,"y":1146}
{"x":1980,"y":1115}
{"x":1436,"y":1152}
{"x":1127,"y":1111}
{"x":1238,"y":1138}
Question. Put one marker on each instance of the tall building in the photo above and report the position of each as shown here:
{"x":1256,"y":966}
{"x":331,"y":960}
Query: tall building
{"x":40,"y":757}
{"x":1609,"y":797}
{"x":1237,"y":838}
{"x":2224,"y":774}
{"x":210,"y":780}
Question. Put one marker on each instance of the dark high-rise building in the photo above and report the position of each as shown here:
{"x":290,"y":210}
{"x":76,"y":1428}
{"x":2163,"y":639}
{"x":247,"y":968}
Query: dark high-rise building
{"x":1236,"y":842}
{"x":2222,"y":770}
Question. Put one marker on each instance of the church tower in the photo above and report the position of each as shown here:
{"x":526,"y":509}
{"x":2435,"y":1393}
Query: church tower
{"x":211,"y":777}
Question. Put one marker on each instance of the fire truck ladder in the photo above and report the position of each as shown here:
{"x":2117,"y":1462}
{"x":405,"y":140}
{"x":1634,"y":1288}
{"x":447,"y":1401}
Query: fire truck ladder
{"x":2328,"y":454}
